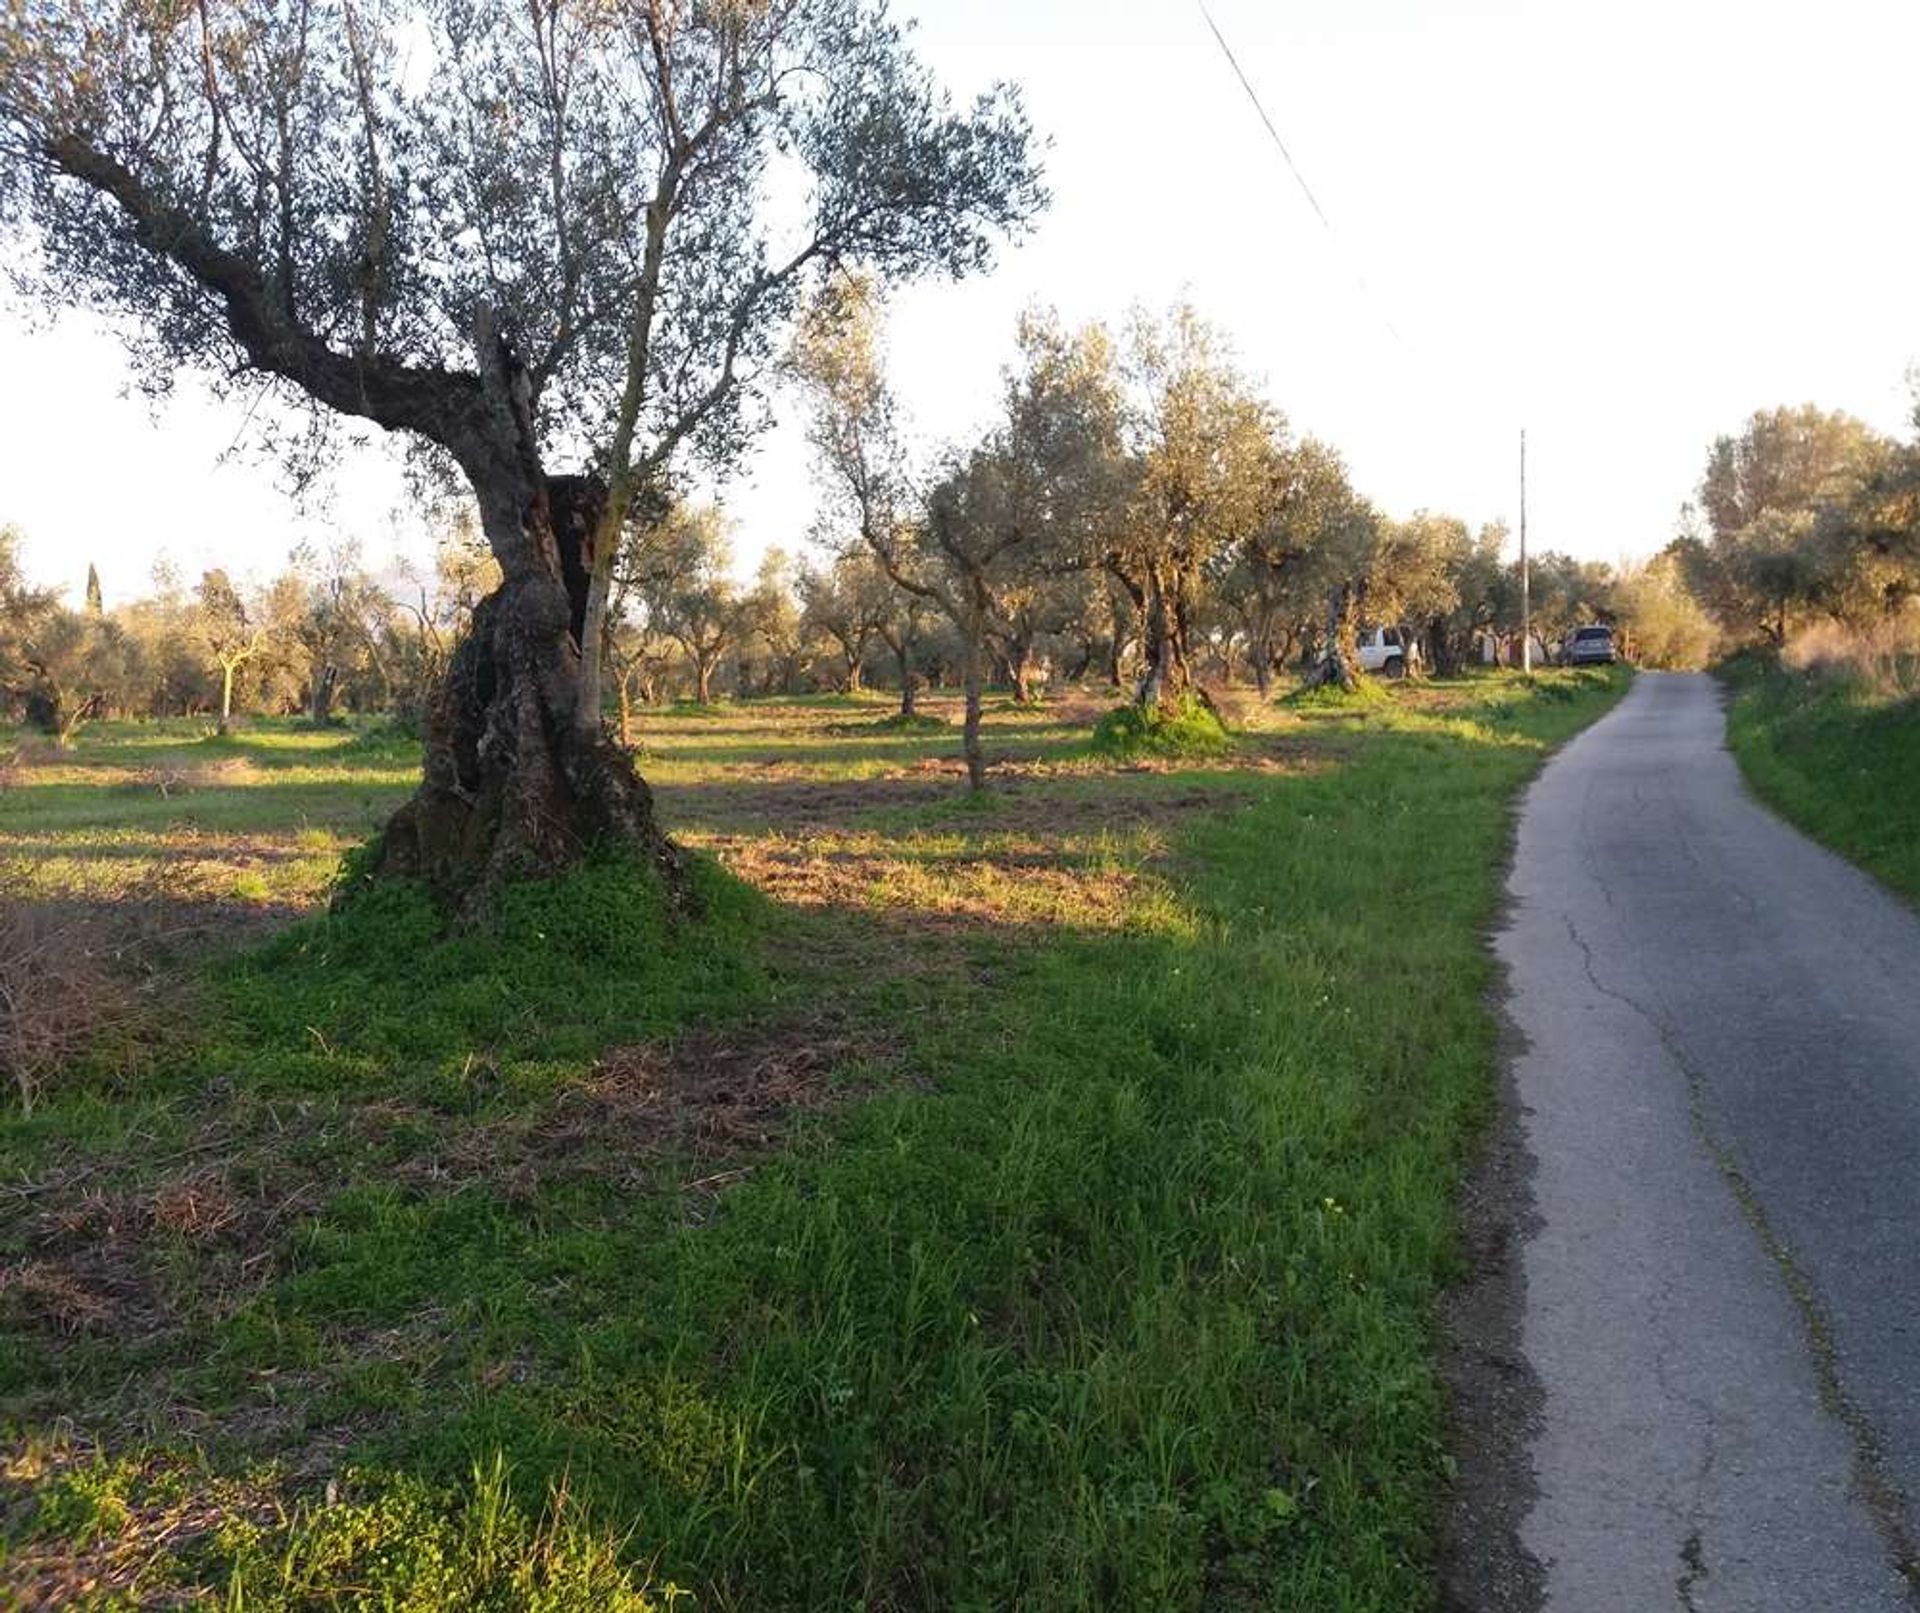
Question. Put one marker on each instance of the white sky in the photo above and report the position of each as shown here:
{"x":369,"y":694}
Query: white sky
{"x":1624,"y":227}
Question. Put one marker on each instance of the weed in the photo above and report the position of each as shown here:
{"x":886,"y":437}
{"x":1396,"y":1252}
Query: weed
{"x":566,"y":966}
{"x":102,"y":1532}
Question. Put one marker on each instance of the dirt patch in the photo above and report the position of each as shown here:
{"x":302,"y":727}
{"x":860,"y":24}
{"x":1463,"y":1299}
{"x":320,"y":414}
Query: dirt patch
{"x":49,"y":1296}
{"x":718,"y":1100}
{"x":792,"y":804}
{"x":1080,"y":710}
{"x":92,"y":1255}
{"x":924,"y":896}
{"x":1032,"y":802}
{"x":82,"y":977}
{"x":710,"y":1093}
{"x":171,"y":778}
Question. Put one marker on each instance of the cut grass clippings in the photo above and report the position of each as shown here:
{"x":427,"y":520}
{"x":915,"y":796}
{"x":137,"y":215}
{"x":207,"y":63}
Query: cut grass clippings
{"x":1080,"y":1264}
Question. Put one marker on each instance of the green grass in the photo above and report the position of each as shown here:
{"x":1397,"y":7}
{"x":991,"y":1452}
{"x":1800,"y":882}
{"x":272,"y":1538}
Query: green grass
{"x":1189,"y":730}
{"x":1837,"y":761}
{"x":1091,"y":1263}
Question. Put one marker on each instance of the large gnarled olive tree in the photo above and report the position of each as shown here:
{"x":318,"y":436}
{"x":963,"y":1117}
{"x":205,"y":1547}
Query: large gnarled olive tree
{"x":520,"y":231}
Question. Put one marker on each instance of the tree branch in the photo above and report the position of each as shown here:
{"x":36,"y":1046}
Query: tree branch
{"x":441,"y":405}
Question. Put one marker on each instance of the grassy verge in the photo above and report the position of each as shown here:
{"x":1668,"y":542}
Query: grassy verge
{"x":1031,"y":1204}
{"x":1836,"y":760}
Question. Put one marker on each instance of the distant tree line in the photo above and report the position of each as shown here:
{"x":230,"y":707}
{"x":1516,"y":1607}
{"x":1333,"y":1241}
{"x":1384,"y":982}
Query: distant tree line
{"x":323,"y":638}
{"x":1135,"y":516}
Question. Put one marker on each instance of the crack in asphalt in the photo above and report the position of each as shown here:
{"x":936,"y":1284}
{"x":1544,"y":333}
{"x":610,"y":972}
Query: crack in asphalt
{"x":1693,"y":1551}
{"x":1882,"y":1497}
{"x":1693,"y":1569}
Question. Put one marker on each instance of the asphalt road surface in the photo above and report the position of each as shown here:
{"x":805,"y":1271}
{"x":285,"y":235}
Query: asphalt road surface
{"x":1720,"y":1088}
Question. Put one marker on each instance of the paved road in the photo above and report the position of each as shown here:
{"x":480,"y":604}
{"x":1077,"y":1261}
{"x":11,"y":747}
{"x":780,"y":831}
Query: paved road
{"x":1721,"y":1092}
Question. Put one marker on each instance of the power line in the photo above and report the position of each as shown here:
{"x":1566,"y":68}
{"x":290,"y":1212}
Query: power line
{"x":1293,"y":167}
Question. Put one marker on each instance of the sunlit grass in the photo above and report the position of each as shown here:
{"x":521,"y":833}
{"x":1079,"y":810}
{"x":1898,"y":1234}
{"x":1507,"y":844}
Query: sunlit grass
{"x":1028,"y":1201}
{"x":1838,"y":759}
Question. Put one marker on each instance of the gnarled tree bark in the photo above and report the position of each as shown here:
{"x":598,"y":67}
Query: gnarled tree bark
{"x":518,"y":781}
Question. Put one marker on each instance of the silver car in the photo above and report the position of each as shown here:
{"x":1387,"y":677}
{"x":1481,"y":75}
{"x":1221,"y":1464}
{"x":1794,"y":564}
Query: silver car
{"x":1590,"y":646}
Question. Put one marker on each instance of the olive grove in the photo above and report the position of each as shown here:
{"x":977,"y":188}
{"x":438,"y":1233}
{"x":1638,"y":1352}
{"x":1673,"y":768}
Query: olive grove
{"x":526,"y":237}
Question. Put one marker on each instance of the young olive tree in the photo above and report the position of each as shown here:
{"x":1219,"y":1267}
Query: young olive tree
{"x":902,"y":627}
{"x":1025,"y":503}
{"x":849,"y":602}
{"x":523,"y":235}
{"x":688,"y":593}
{"x":227,"y":634}
{"x":334,"y":620}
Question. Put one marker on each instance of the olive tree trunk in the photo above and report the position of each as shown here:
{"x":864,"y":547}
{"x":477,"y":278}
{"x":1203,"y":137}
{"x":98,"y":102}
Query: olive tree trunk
{"x":227,"y":670}
{"x":1340,"y":664}
{"x":517,"y":783}
{"x":320,"y":694}
{"x":908,"y":678}
{"x":973,"y":674}
{"x":1167,"y":680}
{"x":1020,"y":664}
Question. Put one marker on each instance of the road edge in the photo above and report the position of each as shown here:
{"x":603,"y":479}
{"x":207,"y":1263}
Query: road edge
{"x":1494,"y":1399}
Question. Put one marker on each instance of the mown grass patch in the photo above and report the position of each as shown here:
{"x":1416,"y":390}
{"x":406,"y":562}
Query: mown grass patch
{"x":1836,"y":759}
{"x":1039,"y":1204}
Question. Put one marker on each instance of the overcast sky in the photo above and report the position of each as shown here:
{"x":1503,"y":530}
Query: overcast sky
{"x":1623,"y":227}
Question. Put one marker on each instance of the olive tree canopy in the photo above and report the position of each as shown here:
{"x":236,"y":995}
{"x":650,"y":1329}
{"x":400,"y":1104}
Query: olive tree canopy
{"x":521,"y":231}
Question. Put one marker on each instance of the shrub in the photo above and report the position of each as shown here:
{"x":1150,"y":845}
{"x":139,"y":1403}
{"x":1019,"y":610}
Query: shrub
{"x":900,"y":722}
{"x":397,"y":733}
{"x":1882,"y":661}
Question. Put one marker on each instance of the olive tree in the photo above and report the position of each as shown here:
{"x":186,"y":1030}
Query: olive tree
{"x":1203,"y":450}
{"x":1025,"y":502}
{"x":1780,"y":504}
{"x":522,"y":235}
{"x":848,"y":602}
{"x":59,"y":667}
{"x":689,"y":593}
{"x":227,"y":634}
{"x":1311,"y":533}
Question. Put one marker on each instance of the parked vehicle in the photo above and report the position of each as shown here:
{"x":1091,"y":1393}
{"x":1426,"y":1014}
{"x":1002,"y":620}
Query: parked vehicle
{"x":1383,"y":650}
{"x":1590,"y":646}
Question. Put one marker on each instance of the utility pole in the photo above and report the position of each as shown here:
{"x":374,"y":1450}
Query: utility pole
{"x":1526,"y":582}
